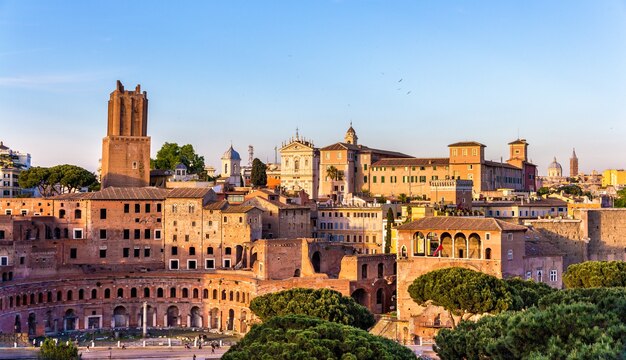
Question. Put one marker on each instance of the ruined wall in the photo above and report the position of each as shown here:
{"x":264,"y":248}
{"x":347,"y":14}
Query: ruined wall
{"x":567,"y":235}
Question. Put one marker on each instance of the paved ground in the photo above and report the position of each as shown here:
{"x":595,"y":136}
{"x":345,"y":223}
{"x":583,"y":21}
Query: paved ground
{"x":178,"y":353}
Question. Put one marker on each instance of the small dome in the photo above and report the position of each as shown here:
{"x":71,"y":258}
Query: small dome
{"x":231,"y":154}
{"x":555,"y":165}
{"x":181,"y":166}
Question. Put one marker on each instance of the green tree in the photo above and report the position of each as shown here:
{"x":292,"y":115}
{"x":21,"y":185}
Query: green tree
{"x":571,"y":190}
{"x":402,"y":198}
{"x":461,"y":292}
{"x":59,"y":179}
{"x":526,"y":293}
{"x":333,"y":173}
{"x":388,"y":231}
{"x":560,"y":331}
{"x":61,"y":351}
{"x":302,"y":337}
{"x":171,"y":155}
{"x":258,"y":177}
{"x":595,"y":274}
{"x":620,"y":201}
{"x":543,"y":191}
{"x":325,"y":304}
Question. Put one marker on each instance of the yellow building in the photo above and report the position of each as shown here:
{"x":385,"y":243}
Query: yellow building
{"x":613,"y":177}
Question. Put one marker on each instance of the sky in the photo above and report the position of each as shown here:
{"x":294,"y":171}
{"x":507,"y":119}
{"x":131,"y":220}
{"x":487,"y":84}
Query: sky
{"x":411,"y":76}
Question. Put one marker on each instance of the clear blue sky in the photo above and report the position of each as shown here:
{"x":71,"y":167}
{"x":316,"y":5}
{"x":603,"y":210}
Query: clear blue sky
{"x":250,"y":72}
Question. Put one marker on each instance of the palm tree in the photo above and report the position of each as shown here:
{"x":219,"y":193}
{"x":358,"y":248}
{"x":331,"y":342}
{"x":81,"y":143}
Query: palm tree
{"x":333,"y":173}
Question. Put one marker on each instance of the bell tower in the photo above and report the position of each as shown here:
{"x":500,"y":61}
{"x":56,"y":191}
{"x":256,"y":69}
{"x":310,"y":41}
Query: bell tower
{"x":126,"y":148}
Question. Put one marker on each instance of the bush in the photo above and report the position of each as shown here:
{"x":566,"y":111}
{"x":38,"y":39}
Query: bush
{"x":325,"y":304}
{"x":61,"y":351}
{"x":303,"y":337}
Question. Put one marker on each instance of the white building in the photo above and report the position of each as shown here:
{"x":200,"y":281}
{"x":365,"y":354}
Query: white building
{"x":11,"y":164}
{"x":299,"y":166}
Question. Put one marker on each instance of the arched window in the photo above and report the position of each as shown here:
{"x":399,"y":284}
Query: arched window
{"x":107,"y":293}
{"x":432,"y":242}
{"x":192,"y":251}
{"x":214,"y":294}
{"x":120,"y":293}
{"x":59,"y":296}
{"x":173,"y":292}
{"x":69,"y":295}
{"x":94,"y":293}
{"x":223,"y":294}
{"x":488,"y":253}
{"x":81,"y":294}
{"x":379,"y":297}
{"x":185,"y":293}
{"x":419,"y":244}
{"x":403,"y":251}
{"x":205,"y":293}
{"x":364,"y":271}
{"x":146,"y":292}
{"x":133,"y":292}
{"x":230,"y":297}
{"x":195,"y":293}
{"x":77,"y":214}
{"x":381,"y":270}
{"x":160,"y":292}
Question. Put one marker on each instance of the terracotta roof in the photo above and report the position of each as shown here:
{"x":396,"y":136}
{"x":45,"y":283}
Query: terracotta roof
{"x":239,"y":209}
{"x":216,"y":205}
{"x":72,"y":196}
{"x":518,"y":141}
{"x":538,"y":203}
{"x":259,"y":201}
{"x":467,"y":143}
{"x":364,"y":149}
{"x":411,"y":162}
{"x":188,"y":192}
{"x":461,"y":223}
{"x":129,"y":193}
{"x":501,"y":164}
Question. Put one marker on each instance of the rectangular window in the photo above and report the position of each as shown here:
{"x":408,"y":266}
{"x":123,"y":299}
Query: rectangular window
{"x":488,"y":236}
{"x":147,"y":208}
{"x":126,"y":234}
{"x":126,"y":252}
{"x":158,"y":207}
{"x":382,"y":179}
{"x":146,"y":234}
{"x":146,"y":252}
{"x":173,"y":264}
{"x":226,"y":263}
{"x":210,"y":264}
{"x":553,"y":275}
{"x":136,"y":252}
{"x":78,"y":233}
{"x":1,"y":234}
{"x":4,"y":260}
{"x":126,"y":208}
{"x":422,"y":179}
{"x":137,"y":208}
{"x":103,"y":213}
{"x":157,"y":234}
{"x":73,"y":253}
{"x":374,"y":179}
{"x":191,"y":264}
{"x":137,"y":233}
{"x":103,"y":253}
{"x":103,"y":234}
{"x":509,"y":254}
{"x":186,"y":237}
{"x":529,"y":275}
{"x":539,"y":276}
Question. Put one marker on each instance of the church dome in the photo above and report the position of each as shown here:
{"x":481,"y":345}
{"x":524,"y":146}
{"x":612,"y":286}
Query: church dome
{"x":231,"y":154}
{"x":555,"y":165}
{"x":555,"y":169}
{"x":180,"y":166}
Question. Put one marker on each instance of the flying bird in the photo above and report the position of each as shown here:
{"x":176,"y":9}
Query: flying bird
{"x":408,"y":92}
{"x":400,"y":80}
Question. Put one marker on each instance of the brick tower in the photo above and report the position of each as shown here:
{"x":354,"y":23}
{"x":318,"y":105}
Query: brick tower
{"x":126,"y":148}
{"x":573,"y":164}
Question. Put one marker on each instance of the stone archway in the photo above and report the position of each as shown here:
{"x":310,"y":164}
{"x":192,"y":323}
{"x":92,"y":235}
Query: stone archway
{"x":69,"y":320}
{"x":196,"y":317}
{"x":230,"y":325}
{"x":316,"y":261}
{"x":214,"y":318}
{"x":243,"y":326}
{"x":18,"y":324}
{"x":32,"y":324}
{"x":120,"y":317}
{"x":360,"y":296}
{"x":172,"y":316}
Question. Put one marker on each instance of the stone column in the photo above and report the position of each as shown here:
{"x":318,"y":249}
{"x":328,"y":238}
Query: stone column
{"x":145,"y":318}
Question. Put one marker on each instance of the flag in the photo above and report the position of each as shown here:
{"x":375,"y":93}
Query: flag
{"x":438,"y":249}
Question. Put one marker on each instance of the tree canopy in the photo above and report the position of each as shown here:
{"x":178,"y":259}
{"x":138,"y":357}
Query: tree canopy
{"x":325,"y":304}
{"x":302,"y":337}
{"x":388,"y":231}
{"x":333,"y":173}
{"x":171,"y":155}
{"x":595,"y":274}
{"x":57,"y":180}
{"x":461,"y":292}
{"x":258,"y":176}
{"x":61,"y":351}
{"x":560,"y":331}
{"x":526,"y":293}
{"x":620,"y":201}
